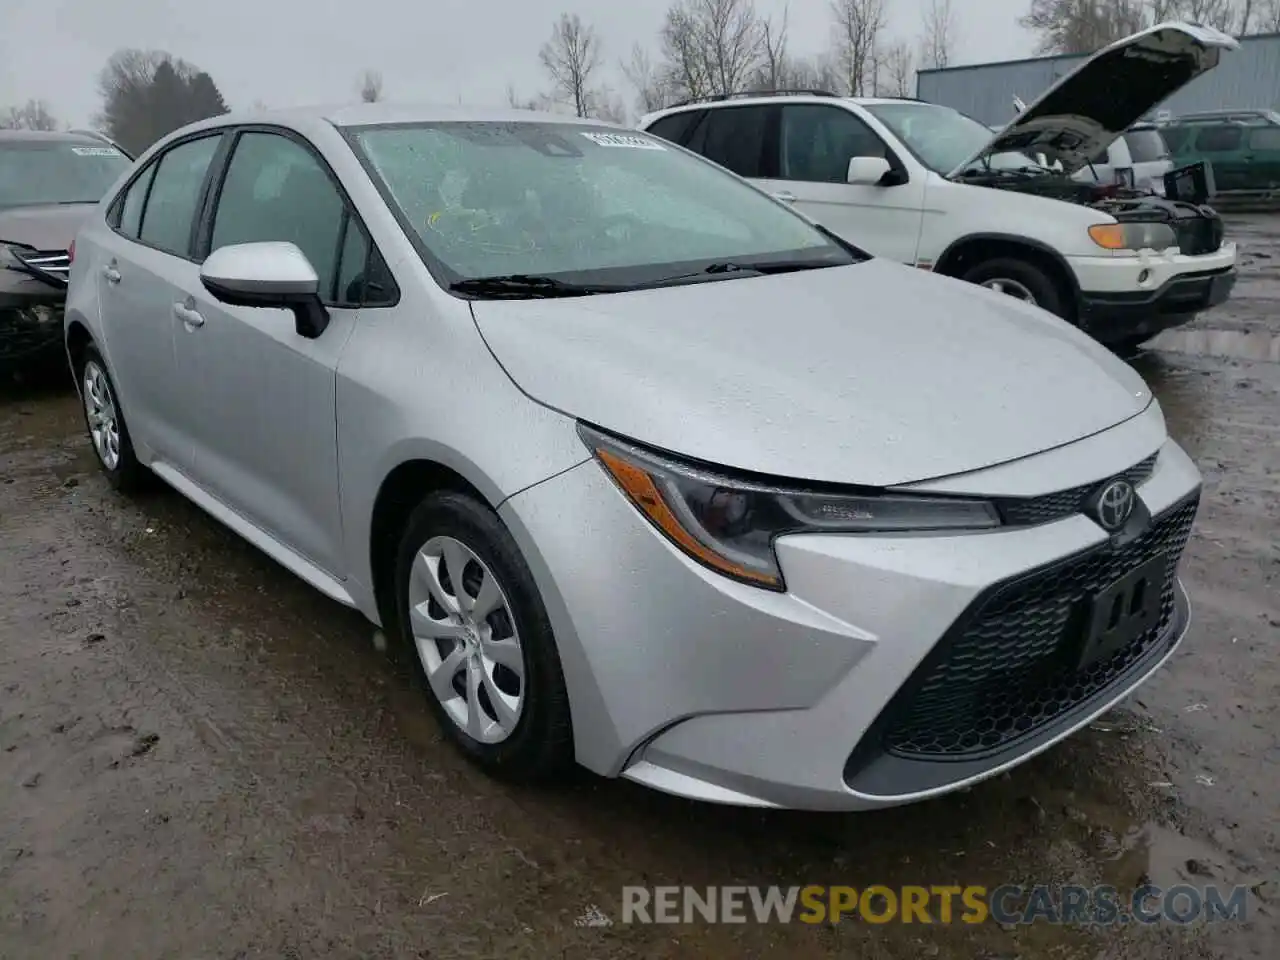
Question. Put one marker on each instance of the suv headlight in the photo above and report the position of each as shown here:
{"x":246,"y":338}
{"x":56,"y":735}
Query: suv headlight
{"x":729,"y":524}
{"x":1133,"y":235}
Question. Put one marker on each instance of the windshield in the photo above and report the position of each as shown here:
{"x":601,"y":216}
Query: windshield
{"x":1146,"y":146}
{"x":942,"y":138}
{"x":578,"y":203}
{"x":50,"y":171}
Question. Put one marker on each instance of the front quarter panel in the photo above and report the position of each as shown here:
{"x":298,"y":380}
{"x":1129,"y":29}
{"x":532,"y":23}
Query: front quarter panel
{"x":954,"y":211}
{"x":416,"y":382}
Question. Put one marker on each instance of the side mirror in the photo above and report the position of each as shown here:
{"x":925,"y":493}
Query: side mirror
{"x":868,"y":171}
{"x":267,"y":274}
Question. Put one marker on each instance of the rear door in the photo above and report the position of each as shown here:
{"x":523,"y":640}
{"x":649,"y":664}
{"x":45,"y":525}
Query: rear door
{"x":1224,"y":146}
{"x":144,"y":261}
{"x":1263,"y":157}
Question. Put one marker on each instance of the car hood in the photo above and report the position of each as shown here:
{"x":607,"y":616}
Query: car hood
{"x":875,"y":373}
{"x":1086,"y":110}
{"x":45,"y":227}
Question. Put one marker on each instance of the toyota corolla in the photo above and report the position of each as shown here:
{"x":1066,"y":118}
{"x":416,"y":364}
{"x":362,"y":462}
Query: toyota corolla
{"x":637,"y":467}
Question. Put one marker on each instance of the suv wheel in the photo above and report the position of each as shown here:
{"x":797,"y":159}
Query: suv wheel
{"x":1018,"y":279}
{"x":475,"y":630}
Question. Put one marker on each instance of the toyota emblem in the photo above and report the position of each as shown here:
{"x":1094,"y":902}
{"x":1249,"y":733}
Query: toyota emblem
{"x":1114,"y":505}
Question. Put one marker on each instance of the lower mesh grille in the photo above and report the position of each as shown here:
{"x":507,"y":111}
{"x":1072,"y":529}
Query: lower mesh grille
{"x":1009,"y":666}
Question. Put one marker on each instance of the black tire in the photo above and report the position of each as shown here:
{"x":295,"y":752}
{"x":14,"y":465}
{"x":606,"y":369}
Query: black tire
{"x":1023,"y":274}
{"x":127,"y":475}
{"x":540,"y":746}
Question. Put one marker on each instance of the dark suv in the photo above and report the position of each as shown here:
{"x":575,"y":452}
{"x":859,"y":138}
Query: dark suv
{"x":48,"y":184}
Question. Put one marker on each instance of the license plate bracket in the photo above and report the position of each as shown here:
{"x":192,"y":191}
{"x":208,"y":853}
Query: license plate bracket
{"x":1124,"y":611}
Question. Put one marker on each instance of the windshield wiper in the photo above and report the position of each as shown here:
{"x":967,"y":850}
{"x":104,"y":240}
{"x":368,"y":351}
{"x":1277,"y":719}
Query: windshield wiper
{"x":524,"y":286}
{"x":728,"y":268}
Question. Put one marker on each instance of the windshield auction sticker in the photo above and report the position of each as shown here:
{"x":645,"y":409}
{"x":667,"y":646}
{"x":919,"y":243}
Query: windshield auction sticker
{"x":96,"y":152}
{"x":623,"y":140}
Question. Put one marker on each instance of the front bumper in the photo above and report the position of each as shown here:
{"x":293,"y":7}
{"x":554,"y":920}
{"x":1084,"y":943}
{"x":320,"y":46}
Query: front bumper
{"x":1115,"y":317}
{"x":693,"y":684}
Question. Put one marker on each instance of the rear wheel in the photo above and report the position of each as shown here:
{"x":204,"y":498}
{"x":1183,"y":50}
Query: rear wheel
{"x":479,"y":640}
{"x":108,"y":432}
{"x":1019,"y":279}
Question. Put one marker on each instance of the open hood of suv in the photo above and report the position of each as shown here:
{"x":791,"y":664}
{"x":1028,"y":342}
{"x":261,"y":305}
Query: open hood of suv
{"x":1086,"y":110}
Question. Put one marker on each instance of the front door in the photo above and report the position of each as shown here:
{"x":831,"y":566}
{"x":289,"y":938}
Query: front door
{"x":266,"y":442}
{"x":816,"y":143}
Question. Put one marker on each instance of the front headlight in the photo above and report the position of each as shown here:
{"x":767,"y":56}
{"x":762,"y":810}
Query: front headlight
{"x":729,"y":524}
{"x":1133,"y":236}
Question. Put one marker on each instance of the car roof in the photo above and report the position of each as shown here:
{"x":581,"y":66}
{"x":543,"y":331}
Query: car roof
{"x":737,"y":100}
{"x":48,"y":136}
{"x":374,"y":114}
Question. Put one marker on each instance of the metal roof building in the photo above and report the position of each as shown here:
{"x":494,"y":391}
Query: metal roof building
{"x":1245,"y":79}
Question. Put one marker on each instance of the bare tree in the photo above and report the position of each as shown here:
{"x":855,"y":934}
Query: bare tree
{"x":711,"y":47}
{"x":900,"y":70}
{"x":537,"y":102}
{"x":938,"y":37}
{"x":773,"y":46}
{"x":1220,"y":14}
{"x":648,"y":86}
{"x":571,"y":57}
{"x":32,"y":115}
{"x":858,"y":24}
{"x":1269,"y":17}
{"x":370,"y":86}
{"x":1083,"y":26}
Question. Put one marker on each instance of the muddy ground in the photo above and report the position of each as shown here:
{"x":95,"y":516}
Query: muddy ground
{"x":200,"y":757}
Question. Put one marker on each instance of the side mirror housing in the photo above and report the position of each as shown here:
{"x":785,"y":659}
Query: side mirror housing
{"x":267,"y":274}
{"x":868,"y":171}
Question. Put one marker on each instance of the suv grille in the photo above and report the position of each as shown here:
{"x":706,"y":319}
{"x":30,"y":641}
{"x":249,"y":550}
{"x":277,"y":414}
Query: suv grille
{"x":1199,"y":235}
{"x":1031,"y":511}
{"x":1008,"y":667}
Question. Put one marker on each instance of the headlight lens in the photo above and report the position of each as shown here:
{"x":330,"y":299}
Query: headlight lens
{"x":1133,"y":236}
{"x":729,"y":525}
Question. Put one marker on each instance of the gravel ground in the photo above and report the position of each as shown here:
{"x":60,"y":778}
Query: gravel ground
{"x":201,"y":757}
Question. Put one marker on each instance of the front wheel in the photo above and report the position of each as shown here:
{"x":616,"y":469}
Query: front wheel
{"x":474,"y":628}
{"x":1020,"y":280}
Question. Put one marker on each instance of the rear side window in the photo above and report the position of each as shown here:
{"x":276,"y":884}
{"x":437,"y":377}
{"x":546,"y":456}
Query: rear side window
{"x":175,"y":194}
{"x":734,"y":137}
{"x":675,"y":127}
{"x":1220,"y":139}
{"x":1146,"y":146}
{"x":1264,"y":138}
{"x":130,"y":218}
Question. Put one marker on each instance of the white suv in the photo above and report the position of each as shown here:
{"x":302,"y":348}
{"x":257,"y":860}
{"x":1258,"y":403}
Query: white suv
{"x":931,"y":187}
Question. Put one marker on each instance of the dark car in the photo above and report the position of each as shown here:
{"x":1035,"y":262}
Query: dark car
{"x":1242,"y":146}
{"x":48,"y":184}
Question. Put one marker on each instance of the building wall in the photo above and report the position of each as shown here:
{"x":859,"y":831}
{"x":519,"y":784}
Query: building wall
{"x":1245,"y":79}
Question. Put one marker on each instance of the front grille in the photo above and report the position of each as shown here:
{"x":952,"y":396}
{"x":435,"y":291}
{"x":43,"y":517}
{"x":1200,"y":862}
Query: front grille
{"x":1031,"y":511}
{"x":1008,"y":667}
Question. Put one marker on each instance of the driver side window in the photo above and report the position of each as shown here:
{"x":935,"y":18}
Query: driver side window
{"x":817,"y":143}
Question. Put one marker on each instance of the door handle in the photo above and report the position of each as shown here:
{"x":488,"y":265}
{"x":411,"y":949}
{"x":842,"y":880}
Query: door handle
{"x":785,"y":196}
{"x":188,"y":315}
{"x":111,"y":274}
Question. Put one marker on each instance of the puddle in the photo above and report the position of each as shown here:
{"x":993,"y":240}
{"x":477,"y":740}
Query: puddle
{"x":1235,"y":344}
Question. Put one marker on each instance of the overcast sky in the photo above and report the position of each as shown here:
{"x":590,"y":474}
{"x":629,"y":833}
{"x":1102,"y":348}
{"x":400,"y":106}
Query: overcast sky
{"x":290,"y":52}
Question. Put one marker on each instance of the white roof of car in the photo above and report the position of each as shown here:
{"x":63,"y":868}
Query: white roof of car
{"x":368,"y":114}
{"x":774,"y":98}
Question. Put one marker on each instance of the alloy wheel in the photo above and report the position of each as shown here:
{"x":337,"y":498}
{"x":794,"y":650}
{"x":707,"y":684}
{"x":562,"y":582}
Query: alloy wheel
{"x":101,"y":415}
{"x":466,"y":638}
